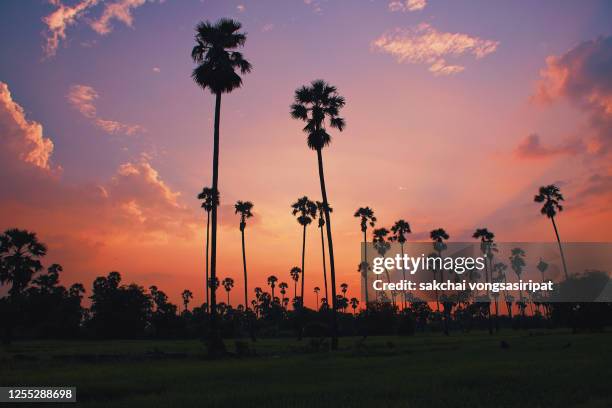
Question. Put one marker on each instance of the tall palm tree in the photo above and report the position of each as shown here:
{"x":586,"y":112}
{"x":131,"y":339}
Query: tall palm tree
{"x":486,"y":246}
{"x":438,"y":236}
{"x":244,"y":209}
{"x":217,"y":63}
{"x":306,"y":211}
{"x":187,"y":296}
{"x":295,"y":275}
{"x":20,"y":253}
{"x":272,"y":282}
{"x":321,"y":214}
{"x":344,"y":288}
{"x":319,"y":105}
{"x":551,"y":197}
{"x":399,"y":230}
{"x":517,"y":263}
{"x":316,"y":290}
{"x":366,"y":216}
{"x":228,"y":284}
{"x":208,"y":202}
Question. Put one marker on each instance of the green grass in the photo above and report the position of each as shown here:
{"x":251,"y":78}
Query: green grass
{"x":545,"y":369}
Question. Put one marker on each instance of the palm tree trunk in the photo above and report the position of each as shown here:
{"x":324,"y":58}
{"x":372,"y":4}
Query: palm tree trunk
{"x":365,"y":255}
{"x":560,"y":247}
{"x":324,"y":265}
{"x":215,"y":343}
{"x":303,"y":254}
{"x":207,"y":238}
{"x":403,"y":276}
{"x":228,"y":302}
{"x":332,"y":271}
{"x":244,"y":268}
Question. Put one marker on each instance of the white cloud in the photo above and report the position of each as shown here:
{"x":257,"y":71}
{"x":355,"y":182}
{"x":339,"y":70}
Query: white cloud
{"x":83,"y":97}
{"x":241,"y":8}
{"x":407,"y":5}
{"x":424,"y":44}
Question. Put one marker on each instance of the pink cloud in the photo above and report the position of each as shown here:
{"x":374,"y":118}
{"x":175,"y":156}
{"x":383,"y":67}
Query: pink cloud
{"x":407,"y":5}
{"x":58,"y":21}
{"x":531,"y":148}
{"x":83,"y":98}
{"x":120,"y":10}
{"x":424,"y":44}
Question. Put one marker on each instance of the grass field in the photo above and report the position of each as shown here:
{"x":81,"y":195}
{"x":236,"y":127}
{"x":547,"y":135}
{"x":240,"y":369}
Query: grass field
{"x":539,"y":369}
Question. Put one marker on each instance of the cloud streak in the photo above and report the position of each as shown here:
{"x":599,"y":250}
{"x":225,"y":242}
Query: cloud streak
{"x":407,"y":5}
{"x":83,"y":98}
{"x":531,"y":148}
{"x":424,"y":44}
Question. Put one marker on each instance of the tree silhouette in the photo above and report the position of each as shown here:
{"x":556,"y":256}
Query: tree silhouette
{"x":272,"y":282}
{"x":217,"y":63}
{"x":366,"y":216}
{"x":187,"y":296}
{"x":283,"y":290}
{"x":306,"y":211}
{"x":314,"y":104}
{"x":228,"y":284}
{"x":438,"y":236}
{"x":20,"y":253}
{"x":399,"y":230}
{"x":244,"y":209}
{"x":517,"y":262}
{"x":295,"y":275}
{"x":209,"y":200}
{"x":551,"y":197}
{"x":354,"y":304}
{"x":486,"y":247}
{"x":321,"y":214}
{"x":316,"y":291}
{"x":343,"y":288}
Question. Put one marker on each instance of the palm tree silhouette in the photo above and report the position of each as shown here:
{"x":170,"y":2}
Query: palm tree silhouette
{"x":20,"y":253}
{"x":343,"y":288}
{"x":486,"y":246}
{"x":366,"y":216}
{"x":244,"y":209}
{"x":354,"y":304}
{"x":283,"y":290}
{"x":217,"y":61}
{"x":321,"y":214}
{"x":295,"y":275}
{"x":399,"y":230}
{"x":551,"y":197}
{"x":316,"y":291}
{"x":517,"y":262}
{"x":228,"y":284}
{"x":438,"y":236}
{"x":314,"y":104}
{"x":306,"y":211}
{"x":272,"y":282}
{"x":187,"y":296}
{"x":208,"y":202}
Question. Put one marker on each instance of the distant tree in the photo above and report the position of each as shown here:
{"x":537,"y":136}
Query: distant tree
{"x":366,"y":217}
{"x":283,"y":290}
{"x":317,"y":104}
{"x":208,"y":202}
{"x":228,"y":284}
{"x":343,"y":288}
{"x":244,"y":209}
{"x":399,"y":230}
{"x":187,"y":296}
{"x":306,"y":211}
{"x":517,"y":263}
{"x":316,"y":291}
{"x":551,"y":197}
{"x":295,"y":275}
{"x":354,"y":304}
{"x":272,"y":283}
{"x":438,"y":236}
{"x":218,"y":62}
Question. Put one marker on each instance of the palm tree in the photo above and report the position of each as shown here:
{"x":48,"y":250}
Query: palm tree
{"x":244,"y":209}
{"x":187,"y":296}
{"x":208,"y":202}
{"x":354,"y":304}
{"x":228,"y":284}
{"x":306,"y":211}
{"x":366,"y":216}
{"x":272,"y":282}
{"x":283,"y":290}
{"x":321,"y":214}
{"x":551,"y":197}
{"x":486,"y":246}
{"x":399,"y":230}
{"x":217,"y":62}
{"x":438,"y":236}
{"x":20,"y":253}
{"x":343,"y":288}
{"x":295,"y":275}
{"x":517,"y":262}
{"x":314,"y":104}
{"x":316,"y":291}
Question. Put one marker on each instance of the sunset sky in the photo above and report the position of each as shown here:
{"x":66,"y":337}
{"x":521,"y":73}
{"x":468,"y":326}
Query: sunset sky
{"x":456,"y":113}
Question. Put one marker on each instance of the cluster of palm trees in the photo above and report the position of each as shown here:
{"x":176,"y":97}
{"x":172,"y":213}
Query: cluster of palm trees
{"x":318,"y":104}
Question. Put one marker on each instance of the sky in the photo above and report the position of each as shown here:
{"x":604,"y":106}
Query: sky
{"x":456,"y":113}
